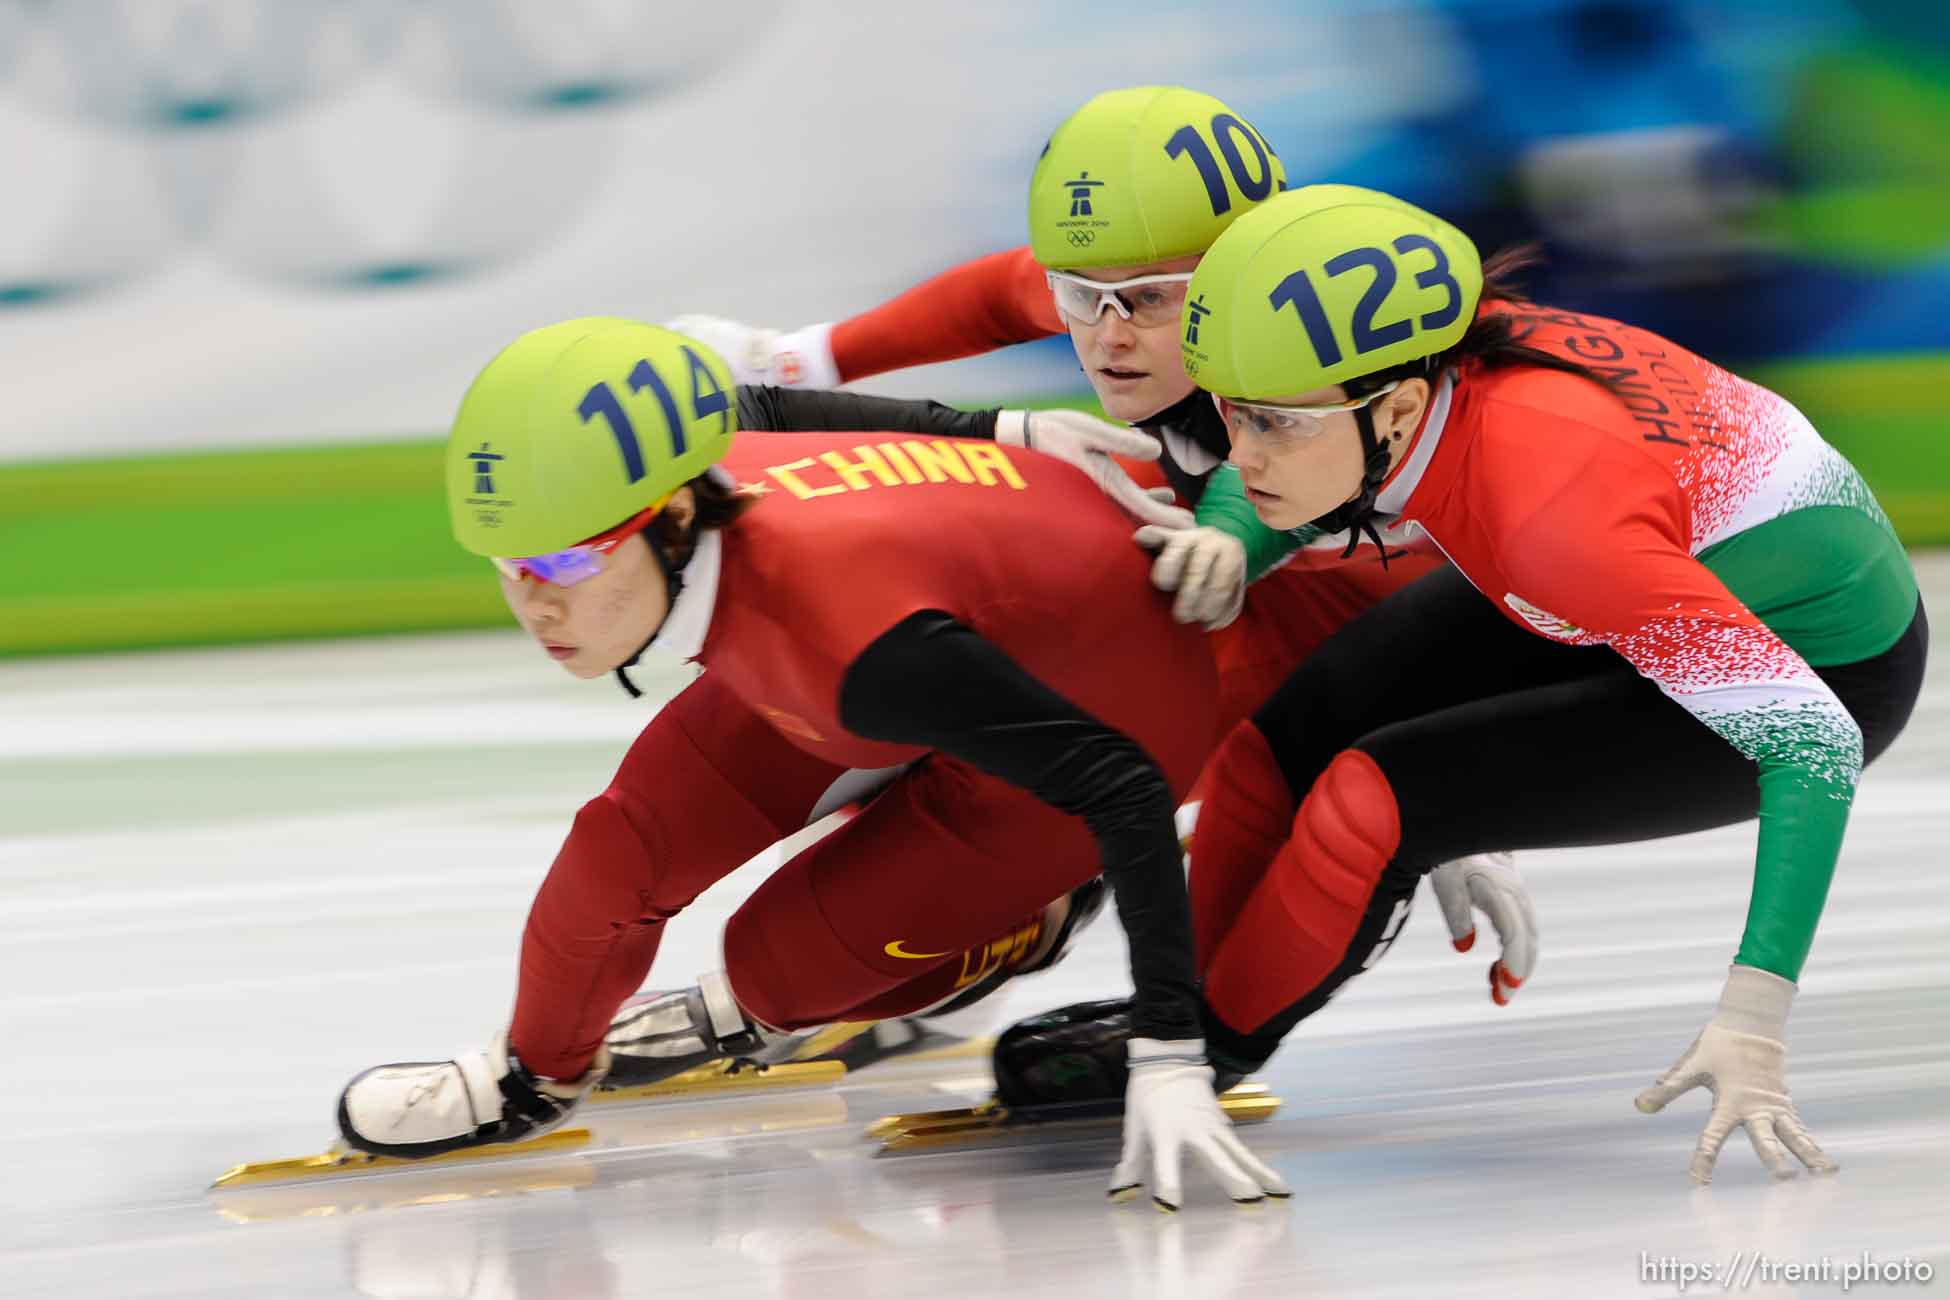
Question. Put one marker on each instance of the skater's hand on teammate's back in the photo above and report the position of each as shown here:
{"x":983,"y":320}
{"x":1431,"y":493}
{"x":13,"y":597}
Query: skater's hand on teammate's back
{"x":1205,"y":566}
{"x":1169,"y":1108}
{"x":1089,"y":443}
{"x":1741,"y":1057}
{"x":1489,"y":883}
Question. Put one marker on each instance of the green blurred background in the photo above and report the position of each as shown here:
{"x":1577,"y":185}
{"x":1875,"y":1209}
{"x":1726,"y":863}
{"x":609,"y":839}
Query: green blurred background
{"x":348,"y":539}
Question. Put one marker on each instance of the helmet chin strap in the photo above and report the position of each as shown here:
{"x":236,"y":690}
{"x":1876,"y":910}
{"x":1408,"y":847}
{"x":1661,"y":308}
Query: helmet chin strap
{"x":1356,"y":516}
{"x":673,"y":584}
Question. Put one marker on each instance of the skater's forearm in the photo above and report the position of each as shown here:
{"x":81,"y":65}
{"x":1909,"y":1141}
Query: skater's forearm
{"x":792,"y":410}
{"x":933,"y":681}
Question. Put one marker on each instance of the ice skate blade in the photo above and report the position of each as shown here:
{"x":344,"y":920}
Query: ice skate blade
{"x":335,"y":1164}
{"x":318,"y":1198}
{"x":706,"y":1080}
{"x":1247,"y":1103}
{"x":829,"y":1040}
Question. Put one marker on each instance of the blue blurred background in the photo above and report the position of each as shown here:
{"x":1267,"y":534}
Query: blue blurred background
{"x":235,"y":228}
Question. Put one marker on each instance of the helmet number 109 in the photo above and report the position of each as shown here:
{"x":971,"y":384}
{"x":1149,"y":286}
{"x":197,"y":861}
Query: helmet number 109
{"x":1228,"y":131}
{"x":1298,"y":289}
{"x":707,"y":398}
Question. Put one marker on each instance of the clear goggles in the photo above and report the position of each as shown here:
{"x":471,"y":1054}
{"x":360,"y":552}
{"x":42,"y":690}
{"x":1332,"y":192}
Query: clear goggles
{"x":1145,"y":300}
{"x":584,"y":560}
{"x":1281,"y":426}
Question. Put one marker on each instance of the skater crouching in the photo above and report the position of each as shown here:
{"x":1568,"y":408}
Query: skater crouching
{"x":857,"y":601}
{"x":1673,"y":607}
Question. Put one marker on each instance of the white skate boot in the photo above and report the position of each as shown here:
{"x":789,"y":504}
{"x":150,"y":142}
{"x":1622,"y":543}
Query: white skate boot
{"x":657,"y":1035}
{"x":426,"y":1108}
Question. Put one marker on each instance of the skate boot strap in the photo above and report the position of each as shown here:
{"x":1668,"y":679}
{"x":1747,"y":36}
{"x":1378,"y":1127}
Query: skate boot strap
{"x":660,"y":1035}
{"x":485,"y":1075}
{"x":734,"y":1033}
{"x":533,"y":1099}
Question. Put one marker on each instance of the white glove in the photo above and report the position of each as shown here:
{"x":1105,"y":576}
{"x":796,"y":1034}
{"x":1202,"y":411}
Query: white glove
{"x":1742,"y":1058}
{"x":1168,"y":1106}
{"x":1089,"y":443}
{"x":1206,"y":567}
{"x":1489,"y":882}
{"x":802,"y":358}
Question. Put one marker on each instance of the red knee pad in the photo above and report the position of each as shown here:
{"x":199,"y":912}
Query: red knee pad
{"x":1245,"y":818}
{"x":1296,"y":926}
{"x":1347,"y":829}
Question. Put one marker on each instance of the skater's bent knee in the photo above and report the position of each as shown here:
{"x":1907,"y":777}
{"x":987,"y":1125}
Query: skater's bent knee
{"x":1347,"y":829}
{"x":607,"y":863}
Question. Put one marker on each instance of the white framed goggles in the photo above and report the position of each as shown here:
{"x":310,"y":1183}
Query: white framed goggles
{"x":1281,"y":426}
{"x":1144,"y":300}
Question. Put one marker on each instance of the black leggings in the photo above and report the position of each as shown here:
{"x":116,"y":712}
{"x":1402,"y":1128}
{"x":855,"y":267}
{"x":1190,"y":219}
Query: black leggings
{"x":1495,"y":738}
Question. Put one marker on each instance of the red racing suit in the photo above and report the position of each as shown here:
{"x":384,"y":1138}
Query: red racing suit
{"x":974,"y":610}
{"x":1692,"y":522}
{"x":1003,"y":299}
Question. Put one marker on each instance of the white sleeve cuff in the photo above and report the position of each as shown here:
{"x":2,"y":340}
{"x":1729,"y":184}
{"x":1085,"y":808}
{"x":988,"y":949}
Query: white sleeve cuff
{"x":804,"y":358}
{"x":1755,"y":1001}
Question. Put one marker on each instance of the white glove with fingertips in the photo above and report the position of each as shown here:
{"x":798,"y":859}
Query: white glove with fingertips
{"x":1205,"y":566}
{"x":801,"y":358}
{"x":1089,"y":443}
{"x":1489,"y":883}
{"x":1169,"y":1107}
{"x":1741,"y":1057}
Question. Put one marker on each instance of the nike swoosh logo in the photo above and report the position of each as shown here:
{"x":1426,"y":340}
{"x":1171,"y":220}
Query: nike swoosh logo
{"x":894,"y":949}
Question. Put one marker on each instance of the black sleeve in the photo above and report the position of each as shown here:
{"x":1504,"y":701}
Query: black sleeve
{"x":930,"y":680}
{"x":795,"y":410}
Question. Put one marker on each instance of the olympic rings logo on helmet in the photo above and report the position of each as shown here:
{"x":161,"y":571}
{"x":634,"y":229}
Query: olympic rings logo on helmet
{"x":1146,"y":174}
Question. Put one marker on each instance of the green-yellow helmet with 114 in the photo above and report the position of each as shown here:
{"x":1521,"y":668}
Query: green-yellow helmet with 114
{"x":576,"y":427}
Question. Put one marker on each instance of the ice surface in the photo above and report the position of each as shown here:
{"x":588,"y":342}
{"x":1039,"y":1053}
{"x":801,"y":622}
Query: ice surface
{"x":234,"y":878}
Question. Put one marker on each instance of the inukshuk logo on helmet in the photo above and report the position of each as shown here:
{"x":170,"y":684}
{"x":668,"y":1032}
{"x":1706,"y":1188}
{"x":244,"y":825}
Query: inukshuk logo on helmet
{"x":484,"y":462}
{"x":1195,"y":312}
{"x":1083,"y":224}
{"x":1080,"y":194}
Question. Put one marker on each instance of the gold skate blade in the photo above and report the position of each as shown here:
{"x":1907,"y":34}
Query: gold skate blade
{"x":1246,"y":1103}
{"x":892,"y":1127}
{"x":1249,"y":1103}
{"x":831,"y":1038}
{"x":320,"y":1198}
{"x":333,"y":1164}
{"x":719,"y":1077}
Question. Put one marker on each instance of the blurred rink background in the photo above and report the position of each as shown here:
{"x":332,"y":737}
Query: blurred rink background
{"x":251,"y":251}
